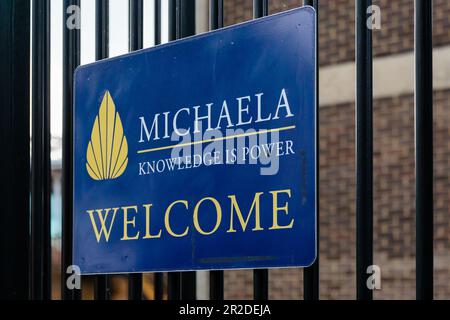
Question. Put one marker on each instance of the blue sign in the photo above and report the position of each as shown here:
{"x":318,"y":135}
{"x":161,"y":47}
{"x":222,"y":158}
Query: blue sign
{"x":199,"y":154}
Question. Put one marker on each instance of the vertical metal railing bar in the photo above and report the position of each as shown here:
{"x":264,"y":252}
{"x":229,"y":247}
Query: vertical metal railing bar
{"x":216,"y":18}
{"x":135,"y":286}
{"x":260,"y":284}
{"x":40,"y":195}
{"x":178,"y":14}
{"x":136,"y":24}
{"x":173,"y":278}
{"x":424,"y":147}
{"x":216,"y":285}
{"x":185,"y":18}
{"x":136,"y":42}
{"x":158,"y":282}
{"x":101,"y":29}
{"x":71,"y":60}
{"x":216,"y":278}
{"x":158,"y":278}
{"x":15,"y":145}
{"x":102,"y":289}
{"x":172,"y":19}
{"x":189,"y":285}
{"x":181,"y":24}
{"x":260,"y":276}
{"x":311,"y":275}
{"x":157,"y":24}
{"x":174,"y":285}
{"x":364,"y":149}
{"x":260,"y":8}
{"x":186,"y":27}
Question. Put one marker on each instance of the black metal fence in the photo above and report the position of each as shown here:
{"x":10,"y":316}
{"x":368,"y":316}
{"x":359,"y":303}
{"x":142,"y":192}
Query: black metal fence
{"x":25,"y":268}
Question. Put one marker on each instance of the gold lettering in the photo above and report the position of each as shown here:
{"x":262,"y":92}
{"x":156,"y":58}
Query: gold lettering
{"x":218,"y":216}
{"x":102,"y":218}
{"x":276,"y":209}
{"x":148,"y":235}
{"x":244,"y":223}
{"x":127,"y":222}
{"x":167,"y":222}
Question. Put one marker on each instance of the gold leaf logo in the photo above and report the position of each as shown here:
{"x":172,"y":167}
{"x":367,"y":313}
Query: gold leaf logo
{"x":107,"y":152}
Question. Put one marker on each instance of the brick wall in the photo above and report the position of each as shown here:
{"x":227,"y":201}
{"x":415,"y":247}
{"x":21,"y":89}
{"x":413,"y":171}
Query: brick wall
{"x":394,"y":193}
{"x":337,"y":30}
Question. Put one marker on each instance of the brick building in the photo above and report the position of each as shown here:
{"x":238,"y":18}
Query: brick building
{"x":394,"y":193}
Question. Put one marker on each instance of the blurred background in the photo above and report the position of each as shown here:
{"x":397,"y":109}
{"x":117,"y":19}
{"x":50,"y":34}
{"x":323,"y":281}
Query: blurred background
{"x":394,"y":193}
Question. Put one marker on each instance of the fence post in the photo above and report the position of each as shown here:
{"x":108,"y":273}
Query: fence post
{"x":173,"y":278}
{"x":102,"y":289}
{"x":260,"y":276}
{"x":260,"y":8}
{"x":185,"y":19}
{"x":71,"y":59}
{"x":158,"y":278}
{"x":216,"y":278}
{"x":424,"y":148}
{"x":364,"y":150}
{"x":40,"y":165}
{"x":136,"y":24}
{"x":101,"y":29}
{"x":157,"y":24}
{"x":215,"y":14}
{"x":185,"y":28}
{"x":311,"y":274}
{"x":15,"y":146}
{"x":136,"y":42}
